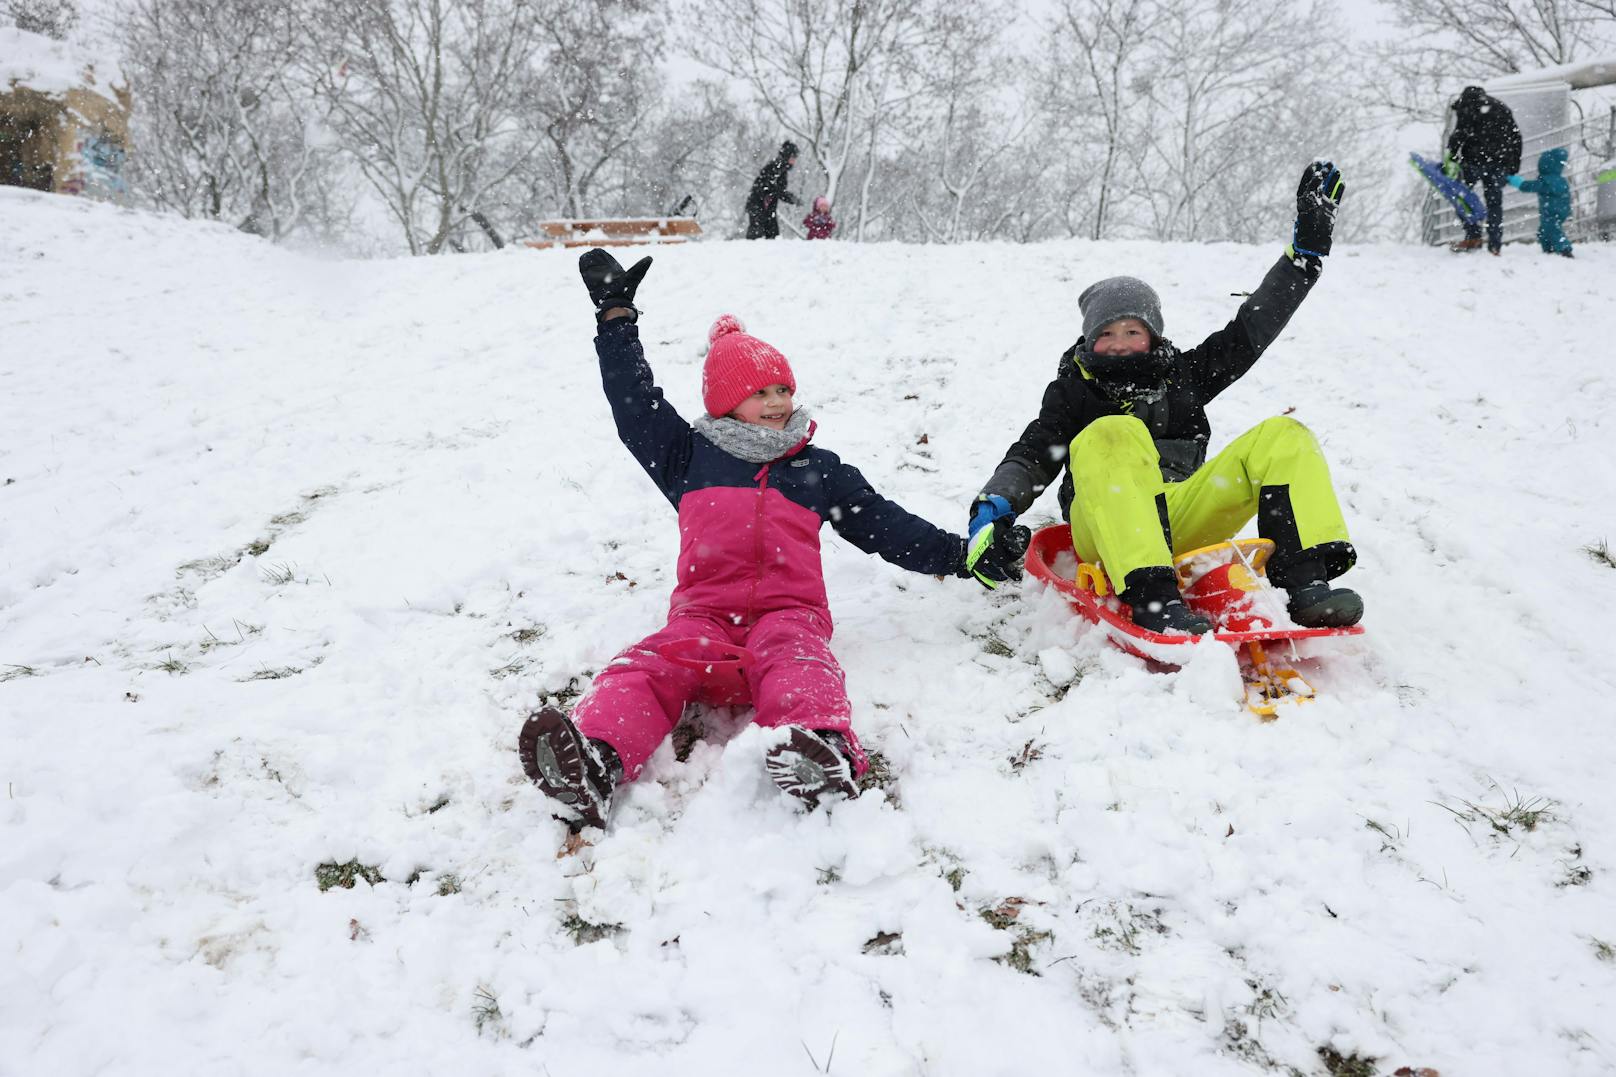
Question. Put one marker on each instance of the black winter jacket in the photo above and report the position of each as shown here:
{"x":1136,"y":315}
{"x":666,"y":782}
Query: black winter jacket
{"x":1485,"y":138}
{"x":769,"y":189}
{"x":1177,"y":419}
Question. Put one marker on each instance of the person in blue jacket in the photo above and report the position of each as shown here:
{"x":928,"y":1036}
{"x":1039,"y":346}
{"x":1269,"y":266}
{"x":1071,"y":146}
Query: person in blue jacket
{"x":1553,"y":192}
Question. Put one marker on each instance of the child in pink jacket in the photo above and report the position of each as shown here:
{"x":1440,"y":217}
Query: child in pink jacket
{"x":819,"y":223}
{"x":751,"y":494}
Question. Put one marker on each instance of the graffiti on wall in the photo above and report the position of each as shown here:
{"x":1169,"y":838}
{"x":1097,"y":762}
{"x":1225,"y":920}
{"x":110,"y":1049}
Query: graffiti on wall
{"x":96,"y":168}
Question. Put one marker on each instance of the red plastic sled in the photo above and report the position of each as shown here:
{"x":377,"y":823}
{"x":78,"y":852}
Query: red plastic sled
{"x":1225,"y":582}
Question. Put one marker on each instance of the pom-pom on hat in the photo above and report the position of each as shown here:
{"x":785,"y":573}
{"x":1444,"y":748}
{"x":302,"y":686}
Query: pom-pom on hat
{"x":738,"y":365}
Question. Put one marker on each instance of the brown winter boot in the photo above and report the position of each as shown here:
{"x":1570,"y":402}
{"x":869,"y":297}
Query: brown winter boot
{"x":1471,"y":244}
{"x":568,"y":767}
{"x":811,"y":765}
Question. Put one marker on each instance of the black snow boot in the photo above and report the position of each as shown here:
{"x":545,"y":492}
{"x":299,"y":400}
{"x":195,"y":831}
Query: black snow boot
{"x":1152,"y":596}
{"x":568,"y":767}
{"x":812,"y":765}
{"x":1306,"y":579}
{"x":1318,"y":605}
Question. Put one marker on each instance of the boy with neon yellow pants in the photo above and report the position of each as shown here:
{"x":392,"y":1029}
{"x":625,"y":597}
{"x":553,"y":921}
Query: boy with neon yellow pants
{"x":1125,"y":516}
{"x":1125,"y":418}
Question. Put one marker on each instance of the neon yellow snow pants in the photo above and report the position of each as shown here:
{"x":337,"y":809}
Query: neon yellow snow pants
{"x":1123,"y":512}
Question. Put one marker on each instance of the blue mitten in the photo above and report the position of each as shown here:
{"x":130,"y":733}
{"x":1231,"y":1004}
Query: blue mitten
{"x":985,"y":509}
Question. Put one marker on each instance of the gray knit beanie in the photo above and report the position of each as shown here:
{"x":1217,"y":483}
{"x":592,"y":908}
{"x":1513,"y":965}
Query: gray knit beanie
{"x":1103,"y":302}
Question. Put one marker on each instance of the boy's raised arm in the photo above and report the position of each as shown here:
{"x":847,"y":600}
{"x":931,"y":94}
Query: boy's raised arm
{"x":1222,"y":358}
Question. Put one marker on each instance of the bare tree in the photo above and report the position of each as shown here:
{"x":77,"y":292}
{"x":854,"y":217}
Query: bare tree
{"x":967,"y":128}
{"x":1189,"y":119}
{"x":53,"y":18}
{"x":1096,"y":56}
{"x":933,"y":121}
{"x":970,"y":145}
{"x":222,"y":129}
{"x":1443,"y":41}
{"x":828,"y":72}
{"x":592,"y":88}
{"x":1239,"y":87}
{"x":877,"y":109}
{"x":700,"y":146}
{"x":425,"y":97}
{"x":695,"y":144}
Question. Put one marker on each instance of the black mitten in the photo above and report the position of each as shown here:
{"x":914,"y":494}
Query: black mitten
{"x":609,"y":284}
{"x":1317,"y":197}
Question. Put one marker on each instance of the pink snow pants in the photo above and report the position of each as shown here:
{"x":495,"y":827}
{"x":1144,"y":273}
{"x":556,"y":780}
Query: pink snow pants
{"x":640,"y":696}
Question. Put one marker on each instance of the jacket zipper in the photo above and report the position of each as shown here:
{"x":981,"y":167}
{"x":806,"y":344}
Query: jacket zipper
{"x":757,"y":543}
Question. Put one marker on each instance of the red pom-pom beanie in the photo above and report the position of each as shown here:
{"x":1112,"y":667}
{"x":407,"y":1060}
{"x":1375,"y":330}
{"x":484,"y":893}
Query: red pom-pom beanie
{"x":738,"y":365}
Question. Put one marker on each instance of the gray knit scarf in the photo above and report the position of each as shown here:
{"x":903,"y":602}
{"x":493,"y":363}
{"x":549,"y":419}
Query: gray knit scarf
{"x":753,"y":443}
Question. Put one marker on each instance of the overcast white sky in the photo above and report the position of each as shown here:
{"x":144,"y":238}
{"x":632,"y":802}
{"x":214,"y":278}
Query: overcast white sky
{"x":1366,"y":18}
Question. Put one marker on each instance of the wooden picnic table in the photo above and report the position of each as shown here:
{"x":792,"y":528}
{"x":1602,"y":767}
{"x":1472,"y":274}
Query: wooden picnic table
{"x":615,"y":231}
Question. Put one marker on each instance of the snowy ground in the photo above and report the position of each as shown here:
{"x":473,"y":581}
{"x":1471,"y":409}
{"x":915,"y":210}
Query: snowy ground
{"x":288,"y":547}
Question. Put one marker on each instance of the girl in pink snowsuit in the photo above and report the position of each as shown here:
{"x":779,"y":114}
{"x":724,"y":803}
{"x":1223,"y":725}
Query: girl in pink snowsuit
{"x":751,"y":494}
{"x":819,"y":223}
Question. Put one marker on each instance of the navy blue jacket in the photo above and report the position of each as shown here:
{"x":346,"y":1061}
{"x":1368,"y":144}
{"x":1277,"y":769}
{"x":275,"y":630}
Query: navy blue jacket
{"x":749,"y":533}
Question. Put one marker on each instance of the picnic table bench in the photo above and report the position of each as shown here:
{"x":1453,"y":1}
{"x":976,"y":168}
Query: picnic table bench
{"x":615,"y":232}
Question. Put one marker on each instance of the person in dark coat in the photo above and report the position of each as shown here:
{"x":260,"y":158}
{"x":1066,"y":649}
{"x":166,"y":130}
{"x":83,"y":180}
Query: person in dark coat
{"x":1125,"y":418}
{"x":1485,"y":146}
{"x":768,"y":191}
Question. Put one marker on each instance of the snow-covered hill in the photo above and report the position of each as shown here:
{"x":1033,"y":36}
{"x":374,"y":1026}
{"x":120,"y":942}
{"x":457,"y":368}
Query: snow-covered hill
{"x":288,"y":547}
